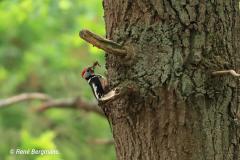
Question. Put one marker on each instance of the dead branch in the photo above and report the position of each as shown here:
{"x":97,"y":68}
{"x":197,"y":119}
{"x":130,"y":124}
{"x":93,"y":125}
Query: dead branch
{"x":225,"y":72}
{"x":101,"y":141}
{"x":103,"y":43}
{"x":23,"y":97}
{"x":76,"y":103}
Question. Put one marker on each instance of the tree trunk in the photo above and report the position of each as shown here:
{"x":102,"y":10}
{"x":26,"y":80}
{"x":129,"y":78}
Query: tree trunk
{"x":180,"y":110}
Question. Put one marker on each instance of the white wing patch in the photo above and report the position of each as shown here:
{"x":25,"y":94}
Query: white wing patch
{"x":95,"y":90}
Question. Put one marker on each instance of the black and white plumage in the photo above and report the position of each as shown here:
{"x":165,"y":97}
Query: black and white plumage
{"x":94,"y":81}
{"x":96,"y":86}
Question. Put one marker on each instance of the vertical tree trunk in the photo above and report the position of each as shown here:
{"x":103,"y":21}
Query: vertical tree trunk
{"x":181,"y":111}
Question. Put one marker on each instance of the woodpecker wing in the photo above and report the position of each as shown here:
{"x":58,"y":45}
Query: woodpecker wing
{"x":103,"y":81}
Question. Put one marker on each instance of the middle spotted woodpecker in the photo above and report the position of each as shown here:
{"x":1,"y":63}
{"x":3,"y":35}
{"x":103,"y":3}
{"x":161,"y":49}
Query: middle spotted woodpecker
{"x":95,"y":81}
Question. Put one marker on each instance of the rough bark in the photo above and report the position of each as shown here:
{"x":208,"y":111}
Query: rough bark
{"x":181,"y":111}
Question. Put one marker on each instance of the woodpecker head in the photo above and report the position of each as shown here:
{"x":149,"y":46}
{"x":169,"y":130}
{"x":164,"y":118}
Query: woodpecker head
{"x":87,"y":72}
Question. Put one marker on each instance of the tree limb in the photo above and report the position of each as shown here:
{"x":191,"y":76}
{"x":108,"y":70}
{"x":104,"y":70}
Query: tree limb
{"x":102,"y":43}
{"x":76,"y":103}
{"x":48,"y":103}
{"x":101,"y":141}
{"x":224,"y":72}
{"x":23,"y":97}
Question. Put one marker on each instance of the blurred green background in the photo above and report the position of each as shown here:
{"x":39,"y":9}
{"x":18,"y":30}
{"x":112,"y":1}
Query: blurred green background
{"x":40,"y":51}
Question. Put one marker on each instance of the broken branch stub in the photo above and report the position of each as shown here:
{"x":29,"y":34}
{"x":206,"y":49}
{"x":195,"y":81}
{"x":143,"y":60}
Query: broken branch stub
{"x":123,"y":89}
{"x":226,"y":72}
{"x":103,"y":43}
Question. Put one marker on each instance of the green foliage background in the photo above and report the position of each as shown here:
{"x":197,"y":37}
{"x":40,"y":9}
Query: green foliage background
{"x":40,"y":51}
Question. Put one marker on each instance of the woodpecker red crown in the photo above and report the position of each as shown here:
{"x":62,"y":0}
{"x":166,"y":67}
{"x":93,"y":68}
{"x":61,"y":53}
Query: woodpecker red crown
{"x":89,"y":70}
{"x":83,"y":72}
